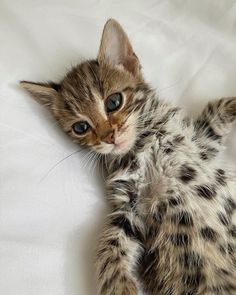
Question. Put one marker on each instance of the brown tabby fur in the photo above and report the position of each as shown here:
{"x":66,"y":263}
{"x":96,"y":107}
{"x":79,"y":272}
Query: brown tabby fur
{"x":172,"y":226}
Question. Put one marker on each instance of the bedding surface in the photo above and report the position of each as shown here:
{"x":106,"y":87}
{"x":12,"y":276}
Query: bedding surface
{"x":52,"y":210}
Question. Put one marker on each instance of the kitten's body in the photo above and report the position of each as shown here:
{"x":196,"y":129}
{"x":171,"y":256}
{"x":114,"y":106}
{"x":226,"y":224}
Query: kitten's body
{"x":178,"y":204}
{"x":180,"y":194}
{"x":172,"y":229}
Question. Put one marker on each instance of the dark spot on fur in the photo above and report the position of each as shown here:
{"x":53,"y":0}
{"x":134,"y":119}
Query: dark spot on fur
{"x":161,"y":132}
{"x":207,"y":152}
{"x":208,"y":234}
{"x":120,"y":183}
{"x":147,"y":122}
{"x":122,"y":222}
{"x":209,"y":132}
{"x":146,"y":134}
{"x":153,"y":231}
{"x":194,"y":138}
{"x":147,"y":263}
{"x":204,"y":156}
{"x":170,"y":291}
{"x":125,"y":187}
{"x":160,"y":212}
{"x":187,"y":173}
{"x":178,"y":139}
{"x":212,"y":152}
{"x":220,"y":177}
{"x":193,"y":280}
{"x":114,"y":242}
{"x":152,"y":255}
{"x":191,"y":260}
{"x":223,"y":219}
{"x":206,"y":192}
{"x":168,"y":150}
{"x":128,"y":161}
{"x":230,"y":206}
{"x":174,"y":201}
{"x":182,"y":218}
{"x":232,"y":231}
{"x":223,"y":271}
{"x":227,"y":249}
{"x":133,"y":198}
{"x":140,"y":144}
{"x":230,"y":248}
{"x":180,"y":239}
{"x":122,"y":253}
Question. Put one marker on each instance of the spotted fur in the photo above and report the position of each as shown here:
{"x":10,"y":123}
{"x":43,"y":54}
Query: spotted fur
{"x":172,"y":226}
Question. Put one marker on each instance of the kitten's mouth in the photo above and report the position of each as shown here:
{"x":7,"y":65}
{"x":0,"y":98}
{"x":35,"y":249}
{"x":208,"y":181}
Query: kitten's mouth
{"x":119,"y":144}
{"x":123,"y":143}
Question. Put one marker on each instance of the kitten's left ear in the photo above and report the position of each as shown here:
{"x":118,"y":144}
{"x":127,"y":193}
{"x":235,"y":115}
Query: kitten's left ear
{"x":44,"y":93}
{"x":115,"y":48}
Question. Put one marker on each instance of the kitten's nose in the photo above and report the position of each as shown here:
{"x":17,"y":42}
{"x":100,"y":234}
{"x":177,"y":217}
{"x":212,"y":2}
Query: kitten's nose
{"x":109,"y":138}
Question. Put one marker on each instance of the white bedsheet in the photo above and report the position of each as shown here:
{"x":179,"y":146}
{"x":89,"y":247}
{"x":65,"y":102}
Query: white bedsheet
{"x":49,"y":221}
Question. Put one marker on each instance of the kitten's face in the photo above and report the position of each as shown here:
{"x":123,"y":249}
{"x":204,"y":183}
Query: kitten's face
{"x":94,"y":103}
{"x":95,"y":107}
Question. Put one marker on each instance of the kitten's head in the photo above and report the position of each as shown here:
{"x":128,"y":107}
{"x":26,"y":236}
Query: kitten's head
{"x":95,"y":102}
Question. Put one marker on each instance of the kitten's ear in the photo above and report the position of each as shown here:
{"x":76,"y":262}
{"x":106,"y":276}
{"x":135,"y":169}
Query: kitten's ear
{"x":44,"y":93}
{"x":116,"y":49}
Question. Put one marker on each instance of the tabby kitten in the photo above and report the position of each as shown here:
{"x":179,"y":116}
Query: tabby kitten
{"x":172,"y":229}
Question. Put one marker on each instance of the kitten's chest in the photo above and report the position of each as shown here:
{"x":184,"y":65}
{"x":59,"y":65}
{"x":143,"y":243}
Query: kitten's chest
{"x":172,"y":158}
{"x":172,"y":164}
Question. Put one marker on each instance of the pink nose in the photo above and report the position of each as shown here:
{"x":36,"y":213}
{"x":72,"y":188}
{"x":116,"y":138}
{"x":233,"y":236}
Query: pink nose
{"x":109,"y":138}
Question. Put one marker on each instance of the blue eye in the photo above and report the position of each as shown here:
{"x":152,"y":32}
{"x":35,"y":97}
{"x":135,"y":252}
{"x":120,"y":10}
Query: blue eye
{"x":113,"y":102}
{"x":81,"y":127}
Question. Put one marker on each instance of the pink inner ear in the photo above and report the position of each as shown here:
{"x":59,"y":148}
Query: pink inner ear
{"x":116,"y":49}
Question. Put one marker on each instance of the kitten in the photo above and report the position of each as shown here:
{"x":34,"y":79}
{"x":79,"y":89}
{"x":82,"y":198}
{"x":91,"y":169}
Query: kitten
{"x":172,"y":229}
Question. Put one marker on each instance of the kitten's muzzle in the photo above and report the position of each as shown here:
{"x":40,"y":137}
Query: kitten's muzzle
{"x":109,"y":137}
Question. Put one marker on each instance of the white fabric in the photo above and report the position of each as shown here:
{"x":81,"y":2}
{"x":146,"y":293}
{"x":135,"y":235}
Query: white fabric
{"x":49,"y":221}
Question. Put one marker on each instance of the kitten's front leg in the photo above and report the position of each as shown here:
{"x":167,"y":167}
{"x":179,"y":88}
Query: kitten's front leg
{"x":118,"y":251}
{"x":217,"y":118}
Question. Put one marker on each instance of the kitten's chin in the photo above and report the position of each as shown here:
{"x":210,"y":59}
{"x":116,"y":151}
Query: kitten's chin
{"x":124,"y":142}
{"x":122,"y":147}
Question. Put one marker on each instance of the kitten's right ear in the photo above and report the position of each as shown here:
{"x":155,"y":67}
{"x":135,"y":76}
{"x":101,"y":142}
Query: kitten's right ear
{"x":43,"y":93}
{"x":116,"y":49}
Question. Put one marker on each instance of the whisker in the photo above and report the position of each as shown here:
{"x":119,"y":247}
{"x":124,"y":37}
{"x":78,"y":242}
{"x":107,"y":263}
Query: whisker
{"x":87,"y":158}
{"x":58,"y":163}
{"x":169,"y":86}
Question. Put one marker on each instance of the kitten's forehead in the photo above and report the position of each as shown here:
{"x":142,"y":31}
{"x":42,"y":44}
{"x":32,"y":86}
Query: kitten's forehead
{"x":81,"y":82}
{"x":90,"y":81}
{"x":86,"y":87}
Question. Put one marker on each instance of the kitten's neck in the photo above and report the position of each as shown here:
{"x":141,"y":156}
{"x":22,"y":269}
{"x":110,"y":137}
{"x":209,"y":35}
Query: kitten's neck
{"x":152,"y":112}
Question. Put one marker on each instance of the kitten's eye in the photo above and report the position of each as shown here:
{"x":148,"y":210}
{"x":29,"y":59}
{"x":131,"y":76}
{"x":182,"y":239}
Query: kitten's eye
{"x":81,"y":127}
{"x":113,"y":102}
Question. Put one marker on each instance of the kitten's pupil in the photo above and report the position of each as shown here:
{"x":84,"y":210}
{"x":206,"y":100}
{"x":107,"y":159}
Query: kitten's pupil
{"x":113,"y":102}
{"x":81,"y":127}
